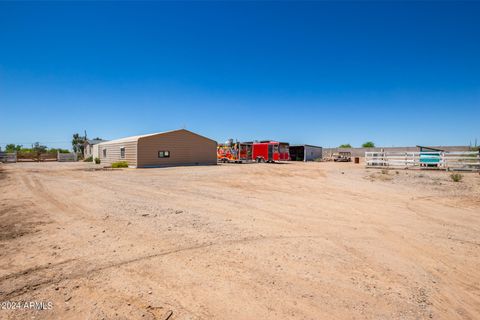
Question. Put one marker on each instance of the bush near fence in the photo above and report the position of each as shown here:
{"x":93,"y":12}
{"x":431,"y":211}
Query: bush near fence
{"x":33,"y":156}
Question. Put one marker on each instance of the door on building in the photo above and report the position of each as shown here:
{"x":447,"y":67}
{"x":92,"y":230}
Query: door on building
{"x":270,"y":152}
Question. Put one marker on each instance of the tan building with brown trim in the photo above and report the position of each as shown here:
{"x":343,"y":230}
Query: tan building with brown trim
{"x":171,"y":148}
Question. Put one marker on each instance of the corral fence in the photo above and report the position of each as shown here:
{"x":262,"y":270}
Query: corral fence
{"x":459,"y":160}
{"x":7,"y":157}
{"x":66,"y":157}
{"x":33,"y":156}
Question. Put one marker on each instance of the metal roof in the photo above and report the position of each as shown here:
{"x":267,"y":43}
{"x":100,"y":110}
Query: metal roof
{"x":305,"y":145}
{"x":135,"y":138}
{"x":271,"y":141}
{"x":95,"y":141}
{"x":429,"y":148}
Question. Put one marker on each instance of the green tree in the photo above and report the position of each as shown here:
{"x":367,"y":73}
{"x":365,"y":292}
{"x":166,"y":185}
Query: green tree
{"x":60,"y":150}
{"x":346,"y":145}
{"x":77,"y":143}
{"x":368,"y":144}
{"x":10,"y":148}
{"x":37,"y":150}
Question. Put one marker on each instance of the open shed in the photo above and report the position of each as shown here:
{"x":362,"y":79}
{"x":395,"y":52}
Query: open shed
{"x":171,"y":148}
{"x":429,"y":156}
{"x":305,"y":152}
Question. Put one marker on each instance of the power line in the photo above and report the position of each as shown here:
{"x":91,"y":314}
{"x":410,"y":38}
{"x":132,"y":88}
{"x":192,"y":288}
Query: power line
{"x":35,"y":142}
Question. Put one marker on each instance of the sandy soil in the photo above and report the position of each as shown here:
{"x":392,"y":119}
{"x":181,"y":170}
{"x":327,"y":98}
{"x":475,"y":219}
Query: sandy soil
{"x":256,"y":241}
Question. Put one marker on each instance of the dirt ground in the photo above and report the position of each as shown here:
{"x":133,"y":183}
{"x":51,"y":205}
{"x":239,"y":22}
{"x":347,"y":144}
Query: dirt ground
{"x":251,"y":241}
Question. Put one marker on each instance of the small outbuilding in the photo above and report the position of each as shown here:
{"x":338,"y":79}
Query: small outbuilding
{"x":90,"y":148}
{"x":305,"y":152}
{"x":430,"y":157}
{"x":171,"y":148}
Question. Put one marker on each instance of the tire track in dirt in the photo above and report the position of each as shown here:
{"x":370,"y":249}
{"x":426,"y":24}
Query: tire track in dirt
{"x":78,"y":212}
{"x":382,"y":221}
{"x":277,"y":217}
{"x":154,"y":193}
{"x":428,"y":255}
{"x":410,"y":206}
{"x":28,"y":271}
{"x":287,"y":218}
{"x":74,"y":211}
{"x":85,"y":273}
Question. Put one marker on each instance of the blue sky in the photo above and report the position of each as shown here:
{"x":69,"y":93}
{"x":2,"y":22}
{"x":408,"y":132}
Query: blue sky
{"x":320,"y":73}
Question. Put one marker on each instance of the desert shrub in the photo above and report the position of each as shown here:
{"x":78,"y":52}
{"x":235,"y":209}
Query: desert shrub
{"x":384,"y":171}
{"x":456,"y":177}
{"x":376,"y":176}
{"x":120,"y":164}
{"x":97,"y":160}
{"x":89,"y":159}
{"x":59,"y":150}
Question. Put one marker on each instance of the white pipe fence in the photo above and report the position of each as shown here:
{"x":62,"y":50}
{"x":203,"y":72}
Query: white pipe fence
{"x":464,"y":160}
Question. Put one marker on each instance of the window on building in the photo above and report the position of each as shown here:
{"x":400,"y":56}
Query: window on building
{"x":104,"y":153}
{"x":164,"y":154}
{"x":122,"y":152}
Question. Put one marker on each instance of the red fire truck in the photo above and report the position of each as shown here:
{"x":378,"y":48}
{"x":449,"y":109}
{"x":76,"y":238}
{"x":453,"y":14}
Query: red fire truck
{"x":262,"y":151}
{"x":234,"y":151}
{"x":270,"y":151}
